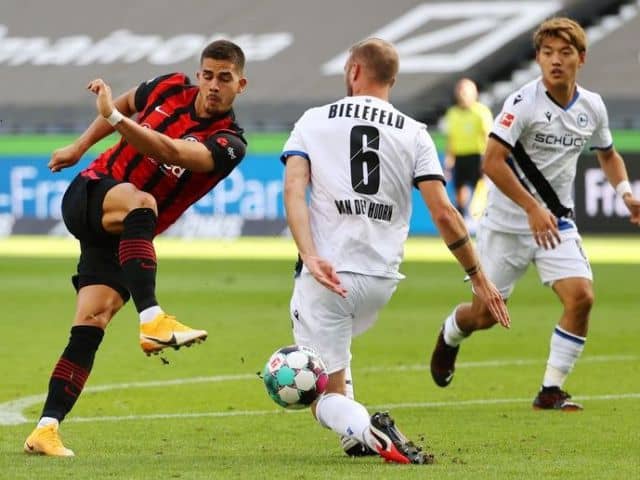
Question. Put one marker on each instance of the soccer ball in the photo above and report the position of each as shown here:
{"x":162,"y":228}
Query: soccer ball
{"x":295,"y":376}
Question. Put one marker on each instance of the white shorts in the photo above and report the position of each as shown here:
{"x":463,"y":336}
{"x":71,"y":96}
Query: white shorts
{"x":506,"y":256}
{"x":326,"y":322}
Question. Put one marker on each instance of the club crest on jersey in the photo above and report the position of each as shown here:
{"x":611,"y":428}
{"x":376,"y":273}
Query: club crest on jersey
{"x":507,"y":119}
{"x":583,"y":120}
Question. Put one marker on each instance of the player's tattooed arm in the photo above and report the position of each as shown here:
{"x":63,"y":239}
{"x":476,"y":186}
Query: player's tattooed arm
{"x":458,"y":243}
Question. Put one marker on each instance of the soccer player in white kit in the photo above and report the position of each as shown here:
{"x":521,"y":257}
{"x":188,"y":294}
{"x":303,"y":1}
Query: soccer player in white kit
{"x":531,"y":158}
{"x":361,"y":157}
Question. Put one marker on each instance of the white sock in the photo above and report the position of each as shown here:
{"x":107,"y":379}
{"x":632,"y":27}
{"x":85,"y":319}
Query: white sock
{"x":148,"y":314}
{"x":348,"y":383}
{"x":370,"y":440}
{"x":565,"y":349}
{"x":44,"y":421}
{"x":343,"y":415}
{"x":452,"y":333}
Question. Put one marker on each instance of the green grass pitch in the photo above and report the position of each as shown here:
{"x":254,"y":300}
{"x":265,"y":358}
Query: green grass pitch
{"x":206,"y":414}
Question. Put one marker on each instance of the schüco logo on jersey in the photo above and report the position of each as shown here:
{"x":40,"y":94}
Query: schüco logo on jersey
{"x":566,"y":140}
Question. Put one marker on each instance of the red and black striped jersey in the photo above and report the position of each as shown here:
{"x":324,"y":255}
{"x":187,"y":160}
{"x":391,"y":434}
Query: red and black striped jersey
{"x":167,"y":104}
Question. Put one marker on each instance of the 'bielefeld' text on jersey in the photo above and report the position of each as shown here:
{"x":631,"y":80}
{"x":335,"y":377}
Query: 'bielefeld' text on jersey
{"x":365,"y":156}
{"x":540,"y":131}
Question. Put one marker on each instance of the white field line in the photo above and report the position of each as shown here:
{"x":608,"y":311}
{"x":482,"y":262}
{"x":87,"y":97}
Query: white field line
{"x":395,"y":406}
{"x":11,"y":411}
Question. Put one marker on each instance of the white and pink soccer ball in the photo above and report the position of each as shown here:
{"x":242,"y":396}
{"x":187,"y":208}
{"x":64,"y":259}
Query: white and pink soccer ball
{"x":295,"y":376}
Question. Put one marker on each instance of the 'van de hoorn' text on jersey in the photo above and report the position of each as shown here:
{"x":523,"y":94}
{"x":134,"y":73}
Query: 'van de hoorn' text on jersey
{"x":365,"y":157}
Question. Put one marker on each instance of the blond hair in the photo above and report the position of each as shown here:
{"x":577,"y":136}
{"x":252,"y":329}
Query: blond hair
{"x":561,"y":27}
{"x":379,"y":58}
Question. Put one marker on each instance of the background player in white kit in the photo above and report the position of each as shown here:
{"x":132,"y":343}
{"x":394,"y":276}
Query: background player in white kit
{"x":361,"y":158}
{"x":531,"y":158}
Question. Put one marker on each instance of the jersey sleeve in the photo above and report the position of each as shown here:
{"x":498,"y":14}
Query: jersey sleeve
{"x":295,"y":143}
{"x":511,"y":121}
{"x":145,"y":90}
{"x":601,"y":138}
{"x":427,"y":162}
{"x":228,"y":149}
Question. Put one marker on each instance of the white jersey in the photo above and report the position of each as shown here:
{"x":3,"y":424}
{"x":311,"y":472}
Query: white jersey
{"x":540,"y":131}
{"x":365,"y":157}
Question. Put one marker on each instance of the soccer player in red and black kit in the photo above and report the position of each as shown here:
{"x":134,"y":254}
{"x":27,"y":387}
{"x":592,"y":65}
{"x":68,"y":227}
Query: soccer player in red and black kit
{"x":182,"y":143}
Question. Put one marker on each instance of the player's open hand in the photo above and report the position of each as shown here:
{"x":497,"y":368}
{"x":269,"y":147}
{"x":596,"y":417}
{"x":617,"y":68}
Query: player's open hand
{"x":544,"y":226}
{"x":64,"y":157}
{"x":490,"y":296}
{"x":633,"y":204}
{"x":324,"y":273}
{"x":104,"y":102}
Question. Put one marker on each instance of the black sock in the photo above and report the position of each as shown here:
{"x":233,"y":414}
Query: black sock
{"x":72,"y":370}
{"x":138,"y":257}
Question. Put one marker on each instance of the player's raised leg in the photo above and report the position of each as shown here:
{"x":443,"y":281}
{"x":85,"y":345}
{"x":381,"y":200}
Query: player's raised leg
{"x":166,"y":331}
{"x":132,"y":213}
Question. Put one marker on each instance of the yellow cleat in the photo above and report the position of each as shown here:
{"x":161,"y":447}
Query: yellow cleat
{"x":165,"y":331}
{"x":46,"y":441}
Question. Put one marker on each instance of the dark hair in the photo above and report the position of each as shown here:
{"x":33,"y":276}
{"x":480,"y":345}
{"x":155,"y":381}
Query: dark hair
{"x":224,"y":50}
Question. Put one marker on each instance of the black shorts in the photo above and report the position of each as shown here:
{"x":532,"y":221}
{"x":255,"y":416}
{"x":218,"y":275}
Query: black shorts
{"x":466,"y":170}
{"x":82,"y":214}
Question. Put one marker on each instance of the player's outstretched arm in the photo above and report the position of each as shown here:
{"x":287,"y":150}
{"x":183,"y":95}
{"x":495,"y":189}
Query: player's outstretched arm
{"x":614,"y":168}
{"x":193,"y":156}
{"x":455,"y":234}
{"x":296,"y":180}
{"x":543,"y":223}
{"x":98,"y":129}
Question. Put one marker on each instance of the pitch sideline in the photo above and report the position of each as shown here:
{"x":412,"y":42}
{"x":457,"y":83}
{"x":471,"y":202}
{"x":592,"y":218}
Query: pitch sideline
{"x":618,"y":249}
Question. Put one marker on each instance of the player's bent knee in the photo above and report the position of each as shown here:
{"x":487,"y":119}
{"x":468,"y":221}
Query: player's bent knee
{"x":143,"y":200}
{"x":124,"y":198}
{"x":580,"y":302}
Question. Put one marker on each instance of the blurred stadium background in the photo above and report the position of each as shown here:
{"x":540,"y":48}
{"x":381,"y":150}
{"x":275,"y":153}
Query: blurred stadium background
{"x":206,"y":414}
{"x":50,"y":50}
